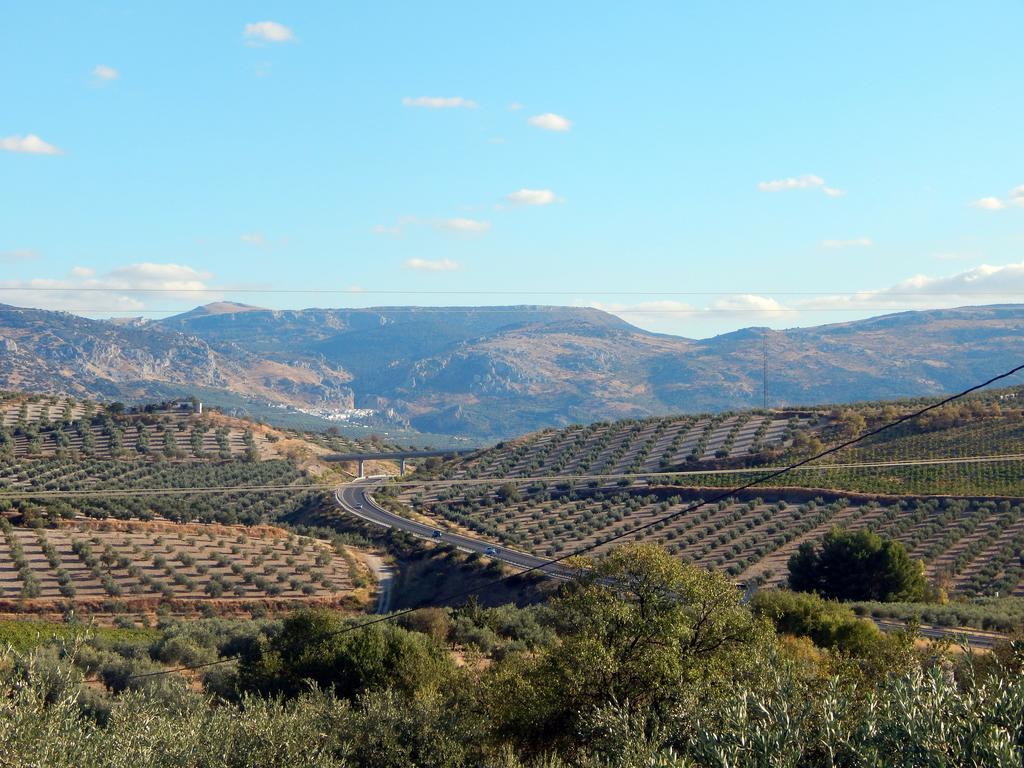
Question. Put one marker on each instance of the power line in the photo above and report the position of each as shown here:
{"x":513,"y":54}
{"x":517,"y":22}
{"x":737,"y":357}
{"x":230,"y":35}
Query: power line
{"x":636,"y":310}
{"x":518,"y":480}
{"x":591,"y":547}
{"x":482,"y":292}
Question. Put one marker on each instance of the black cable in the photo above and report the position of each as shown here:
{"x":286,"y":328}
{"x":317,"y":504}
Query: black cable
{"x":474,"y":292}
{"x":460,"y":482}
{"x":590,"y":547}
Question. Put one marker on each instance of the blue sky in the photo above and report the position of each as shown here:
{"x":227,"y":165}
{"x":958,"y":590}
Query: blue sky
{"x":697,"y":166}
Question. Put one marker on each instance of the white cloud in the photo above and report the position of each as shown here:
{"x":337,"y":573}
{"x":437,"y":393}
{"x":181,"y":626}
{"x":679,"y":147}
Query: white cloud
{"x":515,"y":106}
{"x":1014,"y":198}
{"x":115,"y":291}
{"x":549,"y":121}
{"x":855,"y":242}
{"x":989,"y":204}
{"x":439,"y":102}
{"x":467,"y":226}
{"x":384,"y":229}
{"x":740,"y":304}
{"x":29,"y":144}
{"x":984,"y":284}
{"x":159,"y":277}
{"x":807,"y":181}
{"x":268,"y":32}
{"x":983,"y":280}
{"x":103,"y":72}
{"x":532,"y":197}
{"x":746,"y":304}
{"x":17,"y":255}
{"x":427,"y":265}
{"x":253,"y":238}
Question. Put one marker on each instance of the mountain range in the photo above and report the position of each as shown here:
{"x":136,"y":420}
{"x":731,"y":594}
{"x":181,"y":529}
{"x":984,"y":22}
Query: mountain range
{"x":498,"y":371}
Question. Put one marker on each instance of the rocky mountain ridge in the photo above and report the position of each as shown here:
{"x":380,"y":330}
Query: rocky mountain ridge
{"x":499,"y":371}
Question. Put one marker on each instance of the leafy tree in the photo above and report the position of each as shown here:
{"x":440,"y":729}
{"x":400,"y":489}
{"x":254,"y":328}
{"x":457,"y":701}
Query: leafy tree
{"x":637,"y":627}
{"x":857,"y":565}
{"x":507,"y":492}
{"x":827,"y":623}
{"x":317,"y":646}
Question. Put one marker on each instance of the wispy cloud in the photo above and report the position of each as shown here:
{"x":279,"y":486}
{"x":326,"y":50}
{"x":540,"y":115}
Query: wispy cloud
{"x":675,"y":316}
{"x":549,"y":121}
{"x":30,"y":144}
{"x":428,"y":265}
{"x":532,"y":197}
{"x":855,"y":242}
{"x":515,"y":106}
{"x":259,"y":32}
{"x":253,"y":238}
{"x":396,"y":229}
{"x":989,"y":204}
{"x":1014,"y":198}
{"x":465,"y":226}
{"x":18,"y":255}
{"x":807,"y":181}
{"x":986,"y":284}
{"x":104,"y":73}
{"x":745,"y":304}
{"x":439,"y":102}
{"x":125,"y":288}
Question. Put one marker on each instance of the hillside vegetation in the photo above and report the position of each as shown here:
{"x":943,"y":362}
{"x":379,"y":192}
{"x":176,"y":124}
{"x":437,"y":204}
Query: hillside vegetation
{"x":643,"y":661}
{"x":972,"y":545}
{"x":90,"y":567}
{"x":111,"y":511}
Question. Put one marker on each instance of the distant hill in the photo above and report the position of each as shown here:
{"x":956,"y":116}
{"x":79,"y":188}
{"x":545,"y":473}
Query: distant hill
{"x":500,"y":371}
{"x":57,"y":352}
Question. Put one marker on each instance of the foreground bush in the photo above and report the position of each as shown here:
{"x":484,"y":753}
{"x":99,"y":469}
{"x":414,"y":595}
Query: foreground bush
{"x":921,"y":718}
{"x":641,"y":662}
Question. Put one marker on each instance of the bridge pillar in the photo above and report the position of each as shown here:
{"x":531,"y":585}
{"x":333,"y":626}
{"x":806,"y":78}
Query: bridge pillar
{"x":401,"y":471}
{"x":361,"y":468}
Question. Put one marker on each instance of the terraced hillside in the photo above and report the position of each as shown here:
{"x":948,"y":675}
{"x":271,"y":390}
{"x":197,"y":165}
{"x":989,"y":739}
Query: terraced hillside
{"x":46,"y":425}
{"x":130,"y":567}
{"x":648,"y":445}
{"x":902,"y":483}
{"x":977,"y":545}
{"x":58,"y":426}
{"x":104,"y":488}
{"x":973,"y":447}
{"x":970,"y":448}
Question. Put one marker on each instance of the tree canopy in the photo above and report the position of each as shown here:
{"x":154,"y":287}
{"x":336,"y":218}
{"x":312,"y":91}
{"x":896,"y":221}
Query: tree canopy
{"x":857,"y":565}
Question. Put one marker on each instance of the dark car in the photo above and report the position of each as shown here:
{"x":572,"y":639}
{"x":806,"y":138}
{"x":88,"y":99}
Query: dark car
{"x":435,"y":534}
{"x":490,"y":551}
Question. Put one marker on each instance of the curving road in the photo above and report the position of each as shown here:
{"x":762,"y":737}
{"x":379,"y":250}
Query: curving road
{"x":356,"y":499}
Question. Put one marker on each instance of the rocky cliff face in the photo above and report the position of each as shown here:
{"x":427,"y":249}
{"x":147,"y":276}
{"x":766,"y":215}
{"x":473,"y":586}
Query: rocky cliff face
{"x":58,"y":352}
{"x":498,"y":371}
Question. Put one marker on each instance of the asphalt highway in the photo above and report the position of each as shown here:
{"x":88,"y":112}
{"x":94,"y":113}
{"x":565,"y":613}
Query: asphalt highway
{"x":356,"y":499}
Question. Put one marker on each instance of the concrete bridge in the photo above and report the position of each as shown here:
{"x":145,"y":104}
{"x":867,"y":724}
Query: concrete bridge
{"x":399,"y":456}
